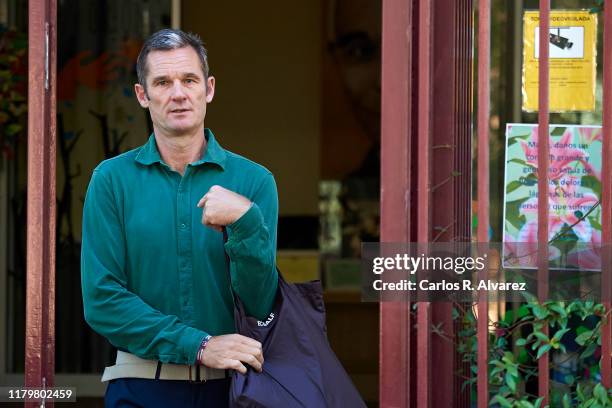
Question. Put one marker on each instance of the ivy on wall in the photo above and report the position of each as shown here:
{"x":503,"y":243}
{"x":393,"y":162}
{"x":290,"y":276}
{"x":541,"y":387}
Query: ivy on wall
{"x":519,"y":340}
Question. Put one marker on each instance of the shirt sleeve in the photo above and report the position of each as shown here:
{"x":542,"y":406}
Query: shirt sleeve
{"x":251,"y":247}
{"x":110,"y":308}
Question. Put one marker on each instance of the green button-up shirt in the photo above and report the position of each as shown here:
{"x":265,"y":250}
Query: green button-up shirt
{"x":155,"y":279}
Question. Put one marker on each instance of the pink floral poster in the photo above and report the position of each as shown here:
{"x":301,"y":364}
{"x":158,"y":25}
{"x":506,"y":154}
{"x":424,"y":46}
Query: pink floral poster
{"x":574,"y":191}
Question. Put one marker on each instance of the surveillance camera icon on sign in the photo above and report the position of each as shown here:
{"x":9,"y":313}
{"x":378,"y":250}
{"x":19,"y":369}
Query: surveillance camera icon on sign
{"x":559,"y":41}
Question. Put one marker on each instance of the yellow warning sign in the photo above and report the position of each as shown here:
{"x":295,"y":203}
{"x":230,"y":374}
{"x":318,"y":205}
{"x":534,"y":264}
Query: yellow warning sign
{"x":572,"y":51}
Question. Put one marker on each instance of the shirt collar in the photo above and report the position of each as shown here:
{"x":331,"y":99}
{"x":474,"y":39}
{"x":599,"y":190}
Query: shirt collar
{"x":215,"y":154}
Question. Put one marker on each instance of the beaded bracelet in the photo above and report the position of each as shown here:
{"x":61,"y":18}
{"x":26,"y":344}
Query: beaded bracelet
{"x":200,"y":354}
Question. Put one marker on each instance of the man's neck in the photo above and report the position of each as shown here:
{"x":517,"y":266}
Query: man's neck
{"x":177,"y":151}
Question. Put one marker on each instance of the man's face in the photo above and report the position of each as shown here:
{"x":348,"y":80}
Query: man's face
{"x":177,"y":92}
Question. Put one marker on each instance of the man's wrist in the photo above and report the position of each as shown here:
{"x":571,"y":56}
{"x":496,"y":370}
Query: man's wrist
{"x":200,"y":355}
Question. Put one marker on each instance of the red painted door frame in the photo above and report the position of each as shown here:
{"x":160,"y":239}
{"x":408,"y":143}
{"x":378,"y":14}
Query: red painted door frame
{"x":425,"y":183}
{"x":40,"y":285}
{"x":396,"y":121}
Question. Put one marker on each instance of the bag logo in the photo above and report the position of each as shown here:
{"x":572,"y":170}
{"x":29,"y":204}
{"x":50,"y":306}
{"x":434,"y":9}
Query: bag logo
{"x":267,"y":322}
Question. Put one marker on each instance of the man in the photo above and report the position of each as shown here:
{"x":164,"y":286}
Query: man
{"x":155,"y":280}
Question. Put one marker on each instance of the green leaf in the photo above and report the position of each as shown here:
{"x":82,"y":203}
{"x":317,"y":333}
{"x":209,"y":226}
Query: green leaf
{"x":468,"y":383}
{"x":508,"y":358}
{"x":599,"y":309}
{"x":567,"y":401}
{"x":523,"y":311}
{"x":501,"y":401}
{"x":591,"y":182}
{"x":562,"y":322}
{"x":590,"y":349}
{"x":580,"y":393}
{"x":521,"y":162}
{"x":554,"y":343}
{"x":516,"y":138}
{"x":495,"y":371}
{"x":513,"y":370}
{"x":521,"y":342}
{"x":538,"y":402}
{"x":542,"y":350}
{"x":513,"y":185}
{"x":13,"y":129}
{"x":516,"y":220}
{"x":540,"y":312}
{"x":510,"y":382}
{"x":600,"y":393}
{"x":558,"y":308}
{"x":595,"y":223}
{"x":530,"y":180}
{"x":498,"y":364}
{"x":560,"y":333}
{"x":581,"y":329}
{"x":541,"y":336}
{"x":523,"y":356}
{"x":558,"y":131}
{"x":582,"y":338}
{"x":513,"y":214}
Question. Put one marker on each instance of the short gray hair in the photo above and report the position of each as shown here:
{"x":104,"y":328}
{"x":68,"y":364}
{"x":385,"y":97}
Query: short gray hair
{"x":170,"y":39}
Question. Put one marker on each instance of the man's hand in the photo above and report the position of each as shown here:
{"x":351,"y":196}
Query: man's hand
{"x":230,"y":351}
{"x":221,"y":207}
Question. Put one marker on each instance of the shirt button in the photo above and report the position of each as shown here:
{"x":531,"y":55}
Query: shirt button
{"x":183,"y":226}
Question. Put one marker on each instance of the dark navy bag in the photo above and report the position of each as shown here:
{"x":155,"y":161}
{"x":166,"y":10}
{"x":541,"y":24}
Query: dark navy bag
{"x":300,"y":369}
